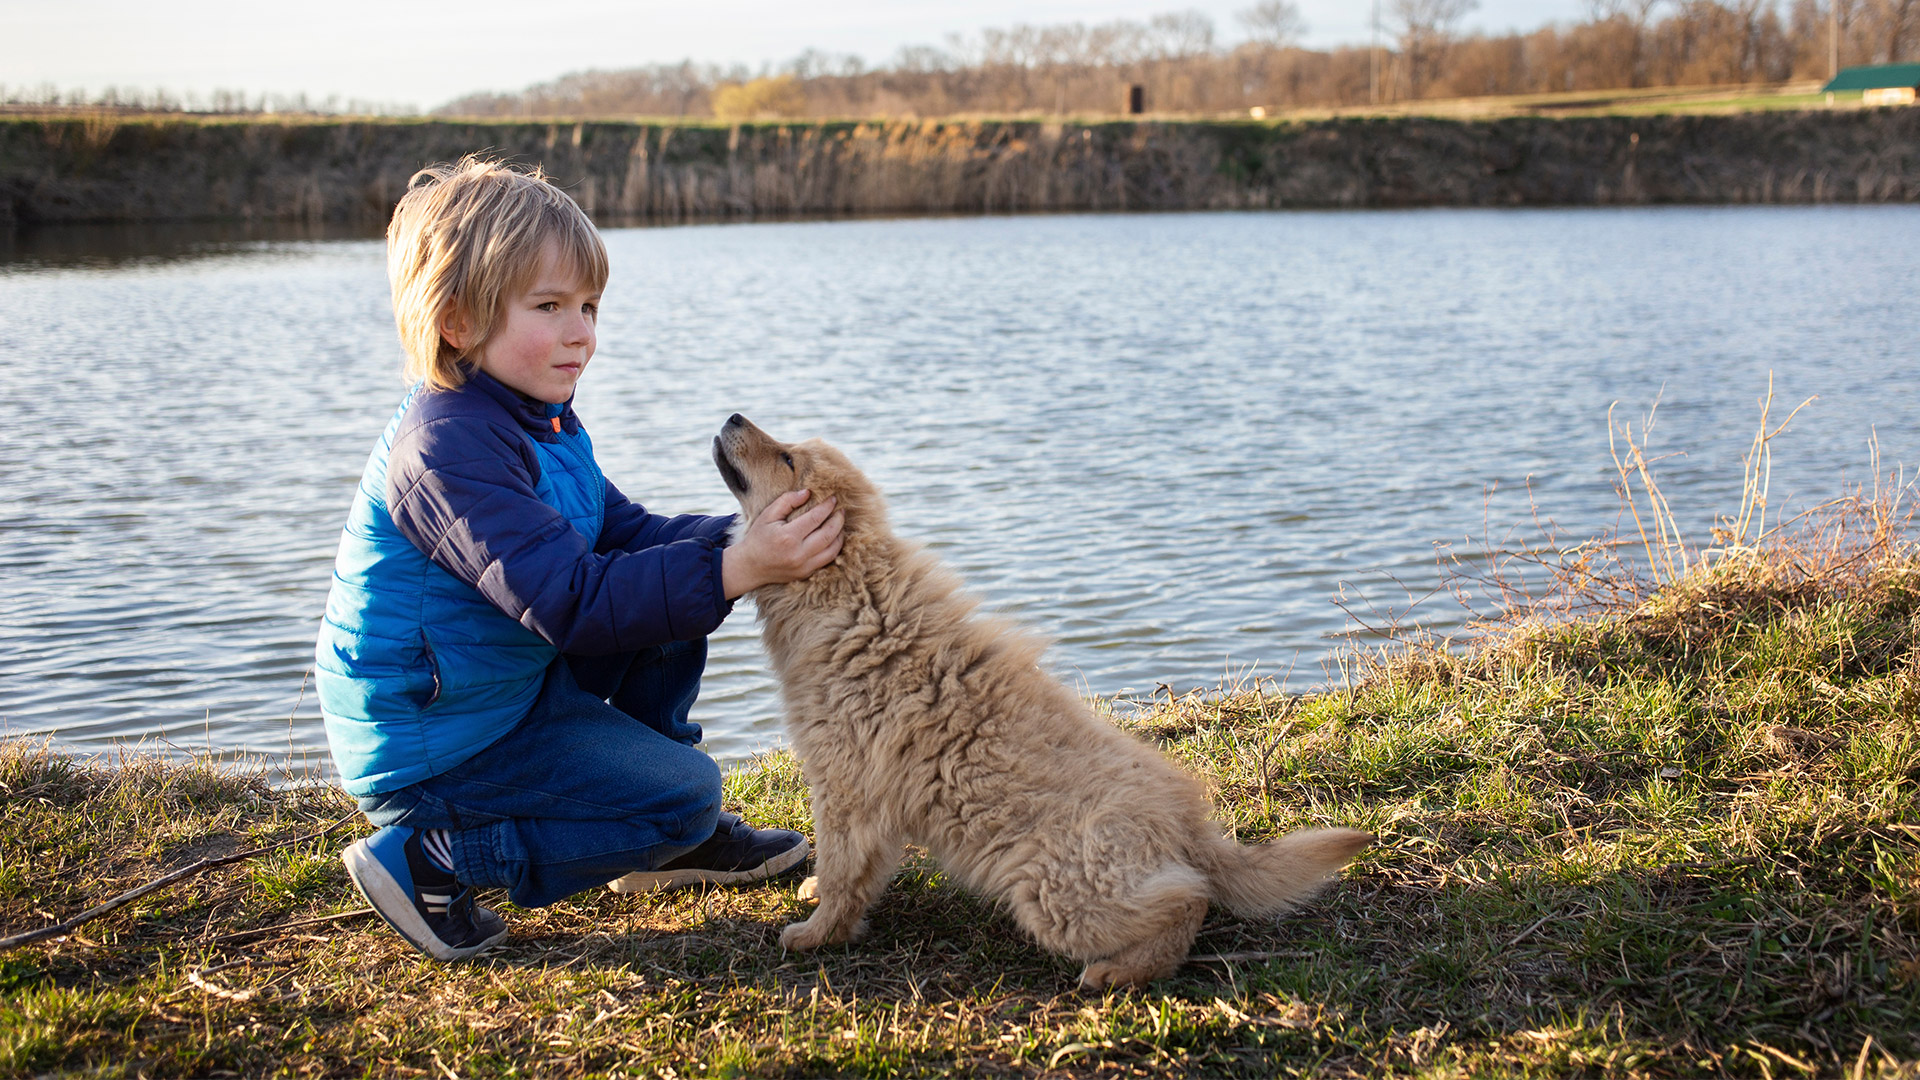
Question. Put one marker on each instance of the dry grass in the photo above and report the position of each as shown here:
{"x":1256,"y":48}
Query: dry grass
{"x":1672,"y":840}
{"x":1648,"y":101}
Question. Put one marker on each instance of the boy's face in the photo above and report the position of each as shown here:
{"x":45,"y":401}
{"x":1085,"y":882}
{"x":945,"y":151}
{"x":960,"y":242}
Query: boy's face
{"x":545,"y":336}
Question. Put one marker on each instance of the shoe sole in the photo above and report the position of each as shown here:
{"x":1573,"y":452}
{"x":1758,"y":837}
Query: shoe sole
{"x":383,"y":894}
{"x":646,"y":881}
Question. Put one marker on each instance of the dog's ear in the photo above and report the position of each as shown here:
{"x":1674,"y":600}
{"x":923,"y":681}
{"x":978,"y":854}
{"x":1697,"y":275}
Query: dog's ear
{"x":820,"y":471}
{"x":831,"y":474}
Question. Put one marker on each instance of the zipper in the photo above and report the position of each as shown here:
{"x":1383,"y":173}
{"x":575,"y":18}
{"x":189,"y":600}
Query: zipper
{"x":600,"y":479}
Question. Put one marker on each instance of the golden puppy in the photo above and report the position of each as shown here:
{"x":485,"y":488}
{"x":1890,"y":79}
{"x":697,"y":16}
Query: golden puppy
{"x":917,"y":720}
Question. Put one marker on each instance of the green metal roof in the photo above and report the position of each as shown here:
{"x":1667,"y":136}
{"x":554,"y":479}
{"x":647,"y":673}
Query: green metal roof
{"x":1875,"y":77}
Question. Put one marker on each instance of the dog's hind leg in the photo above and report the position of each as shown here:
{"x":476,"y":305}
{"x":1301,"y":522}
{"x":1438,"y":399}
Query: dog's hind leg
{"x":853,"y":862}
{"x":1170,"y":920}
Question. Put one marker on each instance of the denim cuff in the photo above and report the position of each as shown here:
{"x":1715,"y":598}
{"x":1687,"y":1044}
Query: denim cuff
{"x":476,"y":856}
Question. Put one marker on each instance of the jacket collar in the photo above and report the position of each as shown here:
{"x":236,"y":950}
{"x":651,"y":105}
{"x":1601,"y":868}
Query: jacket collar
{"x":539,"y":419}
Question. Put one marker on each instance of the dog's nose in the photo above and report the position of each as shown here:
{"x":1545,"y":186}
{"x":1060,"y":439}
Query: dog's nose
{"x":736,"y":420}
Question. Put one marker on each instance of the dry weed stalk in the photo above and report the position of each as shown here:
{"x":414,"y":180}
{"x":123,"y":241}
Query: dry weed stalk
{"x":1669,"y":558}
{"x":1842,"y":544}
{"x":1756,"y":475}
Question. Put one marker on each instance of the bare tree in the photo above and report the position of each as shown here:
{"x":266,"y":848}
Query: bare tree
{"x":1180,"y":34}
{"x":1631,"y":18}
{"x":1896,"y":23}
{"x":922,"y":59}
{"x":1274,"y":23}
{"x":1070,"y":68}
{"x":1636,"y":12}
{"x":1426,"y":26}
{"x":1840,"y":21}
{"x":818,"y":63}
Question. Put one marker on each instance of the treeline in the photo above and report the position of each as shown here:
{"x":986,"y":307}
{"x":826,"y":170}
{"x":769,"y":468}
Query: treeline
{"x":1186,"y":65}
{"x":140,"y":99}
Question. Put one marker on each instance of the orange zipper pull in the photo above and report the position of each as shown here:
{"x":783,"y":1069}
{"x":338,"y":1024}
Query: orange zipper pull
{"x":556,"y":425}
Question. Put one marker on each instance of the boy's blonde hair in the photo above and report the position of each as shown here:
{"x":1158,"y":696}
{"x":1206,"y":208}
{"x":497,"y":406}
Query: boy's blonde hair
{"x":464,"y":237}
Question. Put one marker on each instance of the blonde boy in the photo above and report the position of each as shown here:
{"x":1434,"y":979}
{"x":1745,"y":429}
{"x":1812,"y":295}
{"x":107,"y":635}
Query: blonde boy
{"x":511,"y":647}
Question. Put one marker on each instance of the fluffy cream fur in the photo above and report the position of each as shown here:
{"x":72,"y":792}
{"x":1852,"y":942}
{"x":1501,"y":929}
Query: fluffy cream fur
{"x":919,"y":720}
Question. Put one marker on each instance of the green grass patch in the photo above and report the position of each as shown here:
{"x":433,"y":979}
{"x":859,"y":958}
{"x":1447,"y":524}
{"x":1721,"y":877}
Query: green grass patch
{"x":1672,"y":840}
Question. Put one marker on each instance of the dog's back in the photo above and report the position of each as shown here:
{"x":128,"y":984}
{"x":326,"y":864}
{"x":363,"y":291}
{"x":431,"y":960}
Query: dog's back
{"x":943,"y":729}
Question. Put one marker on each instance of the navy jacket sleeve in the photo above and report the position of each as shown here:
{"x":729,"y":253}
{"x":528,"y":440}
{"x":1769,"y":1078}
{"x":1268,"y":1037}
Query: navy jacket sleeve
{"x":628,"y":527}
{"x":461,"y":490}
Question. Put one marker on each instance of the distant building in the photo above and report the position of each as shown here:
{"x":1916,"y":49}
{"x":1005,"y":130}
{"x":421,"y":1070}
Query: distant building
{"x":1880,"y":84}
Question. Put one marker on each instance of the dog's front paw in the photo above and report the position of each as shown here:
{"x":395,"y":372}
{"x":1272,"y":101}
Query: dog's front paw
{"x":810,"y":888}
{"x":1106,"y":974}
{"x":803,"y":936}
{"x":813,"y":933}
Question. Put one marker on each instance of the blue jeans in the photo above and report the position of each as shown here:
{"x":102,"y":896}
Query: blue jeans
{"x":602,"y":778}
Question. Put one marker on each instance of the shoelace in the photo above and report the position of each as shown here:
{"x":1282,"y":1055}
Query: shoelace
{"x":460,"y":916}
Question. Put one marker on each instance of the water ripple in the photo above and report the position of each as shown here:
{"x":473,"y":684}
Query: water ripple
{"x":1167,"y":442}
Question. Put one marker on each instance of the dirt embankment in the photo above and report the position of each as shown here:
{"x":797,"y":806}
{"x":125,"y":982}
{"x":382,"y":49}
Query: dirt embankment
{"x":95,"y":170}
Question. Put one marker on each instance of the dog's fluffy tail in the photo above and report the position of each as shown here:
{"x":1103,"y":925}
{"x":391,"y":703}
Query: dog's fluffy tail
{"x":1270,"y":878}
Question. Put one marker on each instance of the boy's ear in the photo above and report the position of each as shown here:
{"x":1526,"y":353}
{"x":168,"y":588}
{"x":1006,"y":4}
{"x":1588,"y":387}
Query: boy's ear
{"x":455,"y":327}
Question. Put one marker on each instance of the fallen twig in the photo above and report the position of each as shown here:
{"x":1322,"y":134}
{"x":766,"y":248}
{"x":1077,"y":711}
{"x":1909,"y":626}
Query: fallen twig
{"x":1522,"y":935}
{"x":1233,"y":957}
{"x":337,"y":916}
{"x":181,"y":874}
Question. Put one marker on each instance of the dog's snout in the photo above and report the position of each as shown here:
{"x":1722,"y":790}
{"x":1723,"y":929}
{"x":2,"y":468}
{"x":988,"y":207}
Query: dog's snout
{"x":736,"y":420}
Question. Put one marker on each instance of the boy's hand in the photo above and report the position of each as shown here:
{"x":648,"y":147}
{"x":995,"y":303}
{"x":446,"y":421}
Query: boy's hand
{"x":776,"y":549}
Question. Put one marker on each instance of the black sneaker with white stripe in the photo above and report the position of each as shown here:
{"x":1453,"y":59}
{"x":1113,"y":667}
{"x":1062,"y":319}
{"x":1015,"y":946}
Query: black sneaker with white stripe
{"x":423,"y":901}
{"x":736,"y":854}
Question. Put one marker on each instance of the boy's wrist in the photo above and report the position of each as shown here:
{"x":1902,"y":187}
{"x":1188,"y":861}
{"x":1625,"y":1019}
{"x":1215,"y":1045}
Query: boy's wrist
{"x":736,"y":577}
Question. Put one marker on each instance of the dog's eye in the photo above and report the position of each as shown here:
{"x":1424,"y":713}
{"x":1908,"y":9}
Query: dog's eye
{"x":786,"y":459}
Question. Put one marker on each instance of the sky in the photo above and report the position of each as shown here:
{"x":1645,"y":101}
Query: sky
{"x":426,"y":54}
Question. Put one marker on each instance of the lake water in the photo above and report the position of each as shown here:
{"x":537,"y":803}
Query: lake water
{"x":1168,"y":442}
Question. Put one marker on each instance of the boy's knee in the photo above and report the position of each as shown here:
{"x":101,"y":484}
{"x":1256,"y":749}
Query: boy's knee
{"x":711,"y":786}
{"x":701,"y":811}
{"x":700,"y":827}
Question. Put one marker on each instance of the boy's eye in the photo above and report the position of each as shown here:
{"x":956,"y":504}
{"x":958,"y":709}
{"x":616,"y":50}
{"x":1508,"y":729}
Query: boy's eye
{"x":550,"y":306}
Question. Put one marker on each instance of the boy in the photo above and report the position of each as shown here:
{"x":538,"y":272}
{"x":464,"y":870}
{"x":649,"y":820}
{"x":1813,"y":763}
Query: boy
{"x":511,"y":647}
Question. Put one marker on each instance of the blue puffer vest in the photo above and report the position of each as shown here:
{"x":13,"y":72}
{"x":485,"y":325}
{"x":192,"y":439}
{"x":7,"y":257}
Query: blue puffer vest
{"x":416,"y":671}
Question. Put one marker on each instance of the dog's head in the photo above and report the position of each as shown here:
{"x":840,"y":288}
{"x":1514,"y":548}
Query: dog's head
{"x":759,"y":468}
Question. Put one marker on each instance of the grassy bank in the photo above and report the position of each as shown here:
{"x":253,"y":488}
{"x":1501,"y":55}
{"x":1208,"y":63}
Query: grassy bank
{"x":1646,"y":101}
{"x":56,"y":170}
{"x":1678,"y":836}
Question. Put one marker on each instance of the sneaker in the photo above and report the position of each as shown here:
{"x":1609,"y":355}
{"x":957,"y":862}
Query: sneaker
{"x":736,"y":854}
{"x":425,"y":904}
{"x":489,"y":923}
